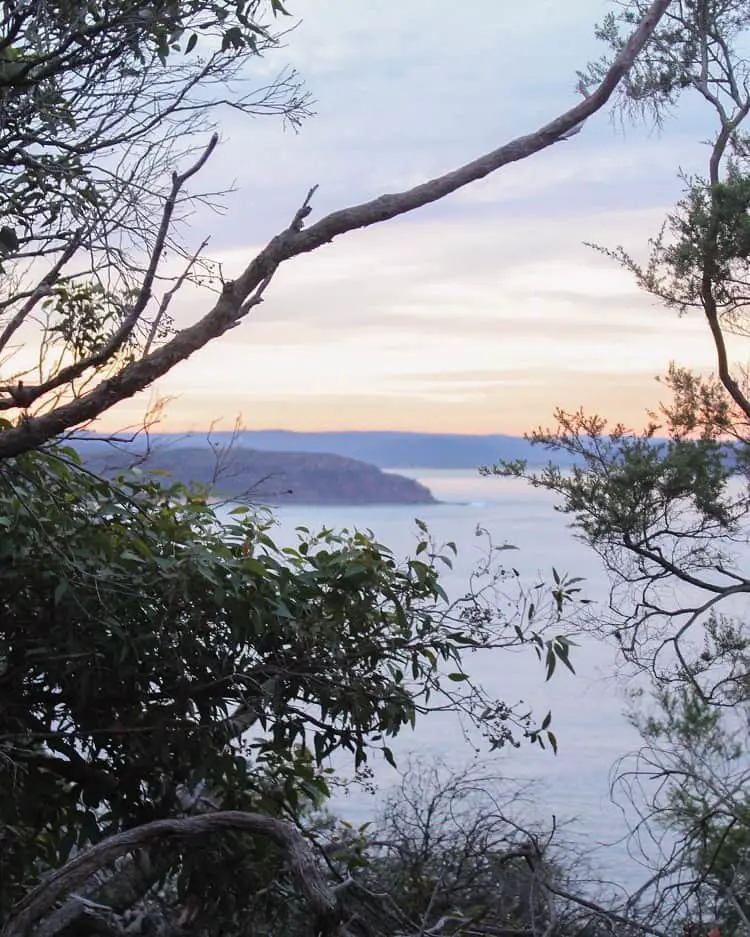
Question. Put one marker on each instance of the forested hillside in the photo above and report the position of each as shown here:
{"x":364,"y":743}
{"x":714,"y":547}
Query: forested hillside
{"x":269,"y":477}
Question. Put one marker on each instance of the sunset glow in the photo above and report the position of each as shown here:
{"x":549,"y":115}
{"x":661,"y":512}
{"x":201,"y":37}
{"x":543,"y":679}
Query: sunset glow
{"x":478,"y":315}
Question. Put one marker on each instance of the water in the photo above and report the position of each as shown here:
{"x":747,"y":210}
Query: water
{"x":587,"y":708}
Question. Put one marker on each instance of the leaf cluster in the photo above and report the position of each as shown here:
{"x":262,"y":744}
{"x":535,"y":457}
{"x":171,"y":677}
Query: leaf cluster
{"x":149,"y":649}
{"x":624,"y":485}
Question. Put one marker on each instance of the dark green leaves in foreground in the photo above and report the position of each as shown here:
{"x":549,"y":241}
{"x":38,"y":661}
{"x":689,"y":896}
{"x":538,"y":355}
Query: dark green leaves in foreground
{"x":150,"y":651}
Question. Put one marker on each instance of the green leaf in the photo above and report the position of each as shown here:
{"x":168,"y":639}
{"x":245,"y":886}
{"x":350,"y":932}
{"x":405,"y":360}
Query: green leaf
{"x":240,"y":509}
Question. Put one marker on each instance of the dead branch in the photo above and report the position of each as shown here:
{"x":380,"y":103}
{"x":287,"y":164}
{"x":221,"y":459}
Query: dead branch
{"x":78,"y":870}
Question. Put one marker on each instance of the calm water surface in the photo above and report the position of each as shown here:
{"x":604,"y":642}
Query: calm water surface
{"x":588,"y":707}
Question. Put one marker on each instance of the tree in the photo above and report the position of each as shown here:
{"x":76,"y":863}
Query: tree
{"x":104,"y":333}
{"x":666,"y":513}
{"x":142,"y":639}
{"x":157,"y":663}
{"x":667,"y":509}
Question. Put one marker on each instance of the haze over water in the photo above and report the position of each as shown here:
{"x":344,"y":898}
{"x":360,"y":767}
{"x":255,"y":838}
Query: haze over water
{"x":587,"y":708}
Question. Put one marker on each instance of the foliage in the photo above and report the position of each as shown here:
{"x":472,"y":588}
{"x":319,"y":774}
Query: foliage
{"x":689,"y":784}
{"x":153,"y":655}
{"x":668,"y":508}
{"x":667,"y":517}
{"x":697,"y":46}
{"x":100,"y":103}
{"x":78,"y":82}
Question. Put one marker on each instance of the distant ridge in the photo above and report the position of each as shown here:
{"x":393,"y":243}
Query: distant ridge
{"x":264,"y":477}
{"x":384,"y":449}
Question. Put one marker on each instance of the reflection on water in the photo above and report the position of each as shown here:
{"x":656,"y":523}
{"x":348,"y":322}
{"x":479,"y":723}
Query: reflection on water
{"x":587,"y":707}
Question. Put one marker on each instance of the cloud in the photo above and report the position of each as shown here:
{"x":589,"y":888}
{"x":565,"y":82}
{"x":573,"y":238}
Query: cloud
{"x":444,"y":311}
{"x":487,"y":301}
{"x":405,"y":91}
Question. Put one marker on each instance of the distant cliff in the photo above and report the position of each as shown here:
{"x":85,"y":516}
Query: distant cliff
{"x":270,"y":477}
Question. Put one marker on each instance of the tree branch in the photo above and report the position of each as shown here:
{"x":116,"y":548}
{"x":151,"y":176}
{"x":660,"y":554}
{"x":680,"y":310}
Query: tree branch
{"x":40,"y":290}
{"x":238,"y":297}
{"x":74,"y":873}
{"x":28,"y":395}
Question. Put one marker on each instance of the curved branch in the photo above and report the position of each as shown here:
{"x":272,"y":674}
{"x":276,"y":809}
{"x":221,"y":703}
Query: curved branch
{"x":74,"y":873}
{"x":26,"y":396}
{"x":41,"y":289}
{"x":708,"y":298}
{"x":240,"y":296}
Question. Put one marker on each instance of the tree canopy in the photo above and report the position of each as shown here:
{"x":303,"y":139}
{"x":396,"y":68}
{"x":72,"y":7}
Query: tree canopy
{"x":156,"y":658}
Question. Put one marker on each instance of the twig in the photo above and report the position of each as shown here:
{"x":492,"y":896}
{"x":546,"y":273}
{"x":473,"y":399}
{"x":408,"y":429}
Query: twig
{"x":42,"y":289}
{"x":169,"y":295}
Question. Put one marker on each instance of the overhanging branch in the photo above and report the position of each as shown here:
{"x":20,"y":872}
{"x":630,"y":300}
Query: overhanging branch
{"x":238,"y":297}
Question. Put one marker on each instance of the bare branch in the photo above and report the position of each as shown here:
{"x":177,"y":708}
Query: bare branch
{"x":40,"y":290}
{"x":169,"y":296}
{"x":121,"y":335}
{"x":74,"y":873}
{"x":238,"y":297}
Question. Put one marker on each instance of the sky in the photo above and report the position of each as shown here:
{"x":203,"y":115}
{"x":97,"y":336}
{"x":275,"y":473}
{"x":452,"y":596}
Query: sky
{"x":479,"y":314}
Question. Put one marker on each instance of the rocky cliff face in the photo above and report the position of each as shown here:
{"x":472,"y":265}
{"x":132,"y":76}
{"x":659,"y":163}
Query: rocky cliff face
{"x":273,"y":477}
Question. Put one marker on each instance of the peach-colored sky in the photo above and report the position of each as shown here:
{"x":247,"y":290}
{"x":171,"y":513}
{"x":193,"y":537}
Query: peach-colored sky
{"x":477,"y":315}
